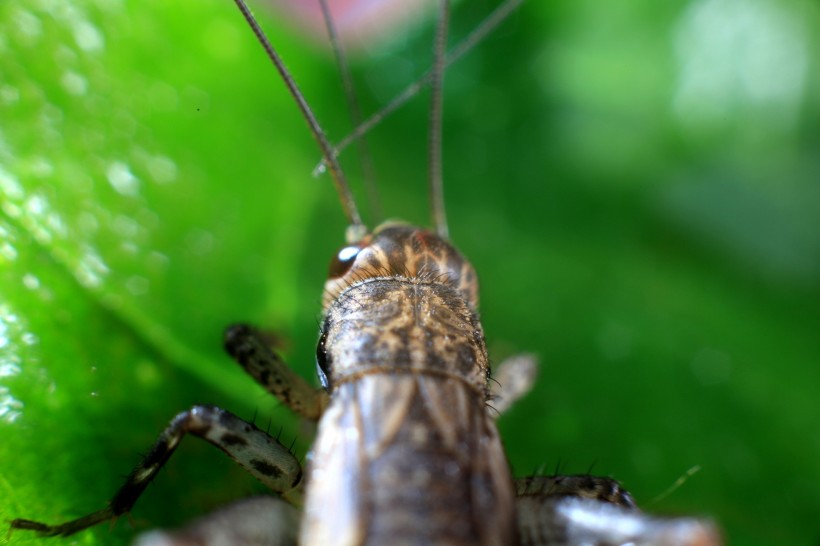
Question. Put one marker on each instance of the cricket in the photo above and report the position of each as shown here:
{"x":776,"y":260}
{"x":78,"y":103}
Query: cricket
{"x":407,"y":450}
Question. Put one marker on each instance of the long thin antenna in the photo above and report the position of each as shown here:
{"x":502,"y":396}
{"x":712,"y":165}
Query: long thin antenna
{"x":345,"y":196}
{"x":436,"y":180}
{"x":365,"y":158}
{"x":485,"y":28}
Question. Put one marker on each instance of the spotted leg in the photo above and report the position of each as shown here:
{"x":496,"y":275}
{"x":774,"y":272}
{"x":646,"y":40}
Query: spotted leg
{"x":589,"y":510}
{"x":250,"y":349}
{"x":260,"y":454}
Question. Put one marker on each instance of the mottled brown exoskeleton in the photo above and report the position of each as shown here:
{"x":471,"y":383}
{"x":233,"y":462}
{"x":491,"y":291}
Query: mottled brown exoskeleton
{"x":407,"y":450}
{"x":407,"y":438}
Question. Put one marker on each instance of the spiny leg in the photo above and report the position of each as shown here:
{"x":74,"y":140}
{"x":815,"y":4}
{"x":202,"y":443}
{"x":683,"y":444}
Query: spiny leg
{"x":583,"y":510}
{"x":260,"y":454}
{"x":248,"y":347}
{"x":513,"y":379}
{"x":580,"y":486}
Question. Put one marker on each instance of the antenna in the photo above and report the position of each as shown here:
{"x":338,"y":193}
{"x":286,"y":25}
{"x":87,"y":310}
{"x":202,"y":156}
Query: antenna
{"x":436,"y":109}
{"x":345,"y":196}
{"x":477,"y":35}
{"x":365,"y":158}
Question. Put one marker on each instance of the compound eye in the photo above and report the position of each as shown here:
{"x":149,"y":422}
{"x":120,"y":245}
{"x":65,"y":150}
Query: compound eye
{"x":323,"y":362}
{"x":343,"y":261}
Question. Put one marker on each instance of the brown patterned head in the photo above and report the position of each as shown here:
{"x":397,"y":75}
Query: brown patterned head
{"x":397,"y":250}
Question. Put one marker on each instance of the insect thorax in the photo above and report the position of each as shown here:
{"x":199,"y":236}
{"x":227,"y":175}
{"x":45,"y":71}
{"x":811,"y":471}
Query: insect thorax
{"x":406,"y":302}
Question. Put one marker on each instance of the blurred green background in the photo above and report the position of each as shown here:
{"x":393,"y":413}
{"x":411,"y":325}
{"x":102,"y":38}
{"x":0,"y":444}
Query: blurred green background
{"x":637,"y":183}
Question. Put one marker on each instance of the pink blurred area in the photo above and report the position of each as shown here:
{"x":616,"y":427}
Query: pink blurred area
{"x":359,"y":23}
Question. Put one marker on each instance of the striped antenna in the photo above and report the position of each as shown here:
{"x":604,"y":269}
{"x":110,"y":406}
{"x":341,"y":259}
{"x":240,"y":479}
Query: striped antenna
{"x":345,"y":196}
{"x":436,"y":111}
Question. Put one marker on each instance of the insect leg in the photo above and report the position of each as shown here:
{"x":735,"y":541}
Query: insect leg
{"x":260,"y":454}
{"x":581,"y":510}
{"x":247,"y":346}
{"x":257,"y":521}
{"x":513,"y":379}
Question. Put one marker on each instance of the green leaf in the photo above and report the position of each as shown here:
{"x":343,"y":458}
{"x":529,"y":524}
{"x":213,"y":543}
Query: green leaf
{"x":141,"y":194}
